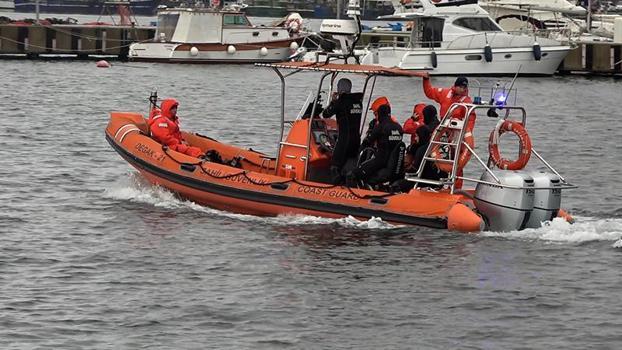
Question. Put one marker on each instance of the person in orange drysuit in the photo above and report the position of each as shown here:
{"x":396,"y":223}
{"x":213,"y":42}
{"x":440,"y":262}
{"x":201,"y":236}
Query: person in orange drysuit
{"x":413,"y":123}
{"x":164,"y":126}
{"x":459,"y":93}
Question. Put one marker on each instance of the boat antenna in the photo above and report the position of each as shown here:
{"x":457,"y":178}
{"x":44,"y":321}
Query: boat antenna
{"x":153,"y":100}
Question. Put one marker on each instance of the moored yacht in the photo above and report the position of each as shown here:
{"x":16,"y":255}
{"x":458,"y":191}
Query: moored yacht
{"x":461,"y":38}
{"x":214,"y":35}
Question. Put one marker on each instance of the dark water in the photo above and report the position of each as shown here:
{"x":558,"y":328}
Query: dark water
{"x":91,"y":257}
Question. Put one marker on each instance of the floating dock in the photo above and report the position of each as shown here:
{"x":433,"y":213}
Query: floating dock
{"x":80,"y":41}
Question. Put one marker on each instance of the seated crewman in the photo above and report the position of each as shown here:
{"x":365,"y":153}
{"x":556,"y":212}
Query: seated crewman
{"x":164,"y":126}
{"x":347,"y":107}
{"x":386,"y":135}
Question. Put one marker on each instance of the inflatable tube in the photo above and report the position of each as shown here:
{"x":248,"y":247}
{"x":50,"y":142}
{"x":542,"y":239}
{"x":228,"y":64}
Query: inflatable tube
{"x":463,"y":219}
{"x":434,"y":59}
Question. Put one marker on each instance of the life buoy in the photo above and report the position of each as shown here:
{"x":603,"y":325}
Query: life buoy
{"x":524,"y":152}
{"x":464,"y":156}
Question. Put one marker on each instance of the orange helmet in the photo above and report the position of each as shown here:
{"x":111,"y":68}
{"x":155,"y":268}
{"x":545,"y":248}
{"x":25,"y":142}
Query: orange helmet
{"x":380,"y":101}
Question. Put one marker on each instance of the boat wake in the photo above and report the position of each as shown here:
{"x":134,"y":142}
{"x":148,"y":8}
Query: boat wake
{"x":134,"y":188}
{"x":585,"y":229}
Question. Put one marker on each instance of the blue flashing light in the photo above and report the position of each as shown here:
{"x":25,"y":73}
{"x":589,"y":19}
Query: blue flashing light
{"x":500,"y":99}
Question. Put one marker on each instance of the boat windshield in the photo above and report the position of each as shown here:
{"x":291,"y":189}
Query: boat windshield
{"x":235,"y":20}
{"x":166,"y":26}
{"x":478,"y":24}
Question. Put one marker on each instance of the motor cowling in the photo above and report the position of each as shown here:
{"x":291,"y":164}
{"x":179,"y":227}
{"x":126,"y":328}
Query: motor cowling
{"x":505,"y":208}
{"x":547,"y":198}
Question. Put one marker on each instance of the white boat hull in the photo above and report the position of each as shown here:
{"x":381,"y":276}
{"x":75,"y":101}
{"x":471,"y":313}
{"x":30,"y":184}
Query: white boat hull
{"x":505,"y":61}
{"x":211,"y":53}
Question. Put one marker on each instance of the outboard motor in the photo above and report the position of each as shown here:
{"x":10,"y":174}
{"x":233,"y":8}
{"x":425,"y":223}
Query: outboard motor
{"x":504,"y":208}
{"x":547,"y":198}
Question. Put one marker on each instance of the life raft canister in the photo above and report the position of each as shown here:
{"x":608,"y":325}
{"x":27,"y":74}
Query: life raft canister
{"x":524,"y":152}
{"x":464,"y":156}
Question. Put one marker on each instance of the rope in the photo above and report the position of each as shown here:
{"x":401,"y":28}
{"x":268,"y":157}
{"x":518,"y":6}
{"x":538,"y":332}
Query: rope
{"x":69,"y":50}
{"x":257,"y":183}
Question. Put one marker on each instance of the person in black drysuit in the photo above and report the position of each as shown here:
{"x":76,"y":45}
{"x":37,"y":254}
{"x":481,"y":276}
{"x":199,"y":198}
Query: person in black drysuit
{"x":424,"y":134}
{"x":386,"y":135}
{"x":347,"y":107}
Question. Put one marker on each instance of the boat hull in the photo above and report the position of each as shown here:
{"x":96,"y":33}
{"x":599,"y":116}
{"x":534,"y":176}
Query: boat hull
{"x":211,"y":53}
{"x":254,"y":190}
{"x":505,"y":61}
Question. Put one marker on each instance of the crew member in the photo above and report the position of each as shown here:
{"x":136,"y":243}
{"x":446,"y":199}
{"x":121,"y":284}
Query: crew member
{"x":413,"y":123}
{"x":459,"y":93}
{"x":347,"y":107}
{"x":386,"y":135}
{"x":164,"y":126}
{"x":430,"y":171}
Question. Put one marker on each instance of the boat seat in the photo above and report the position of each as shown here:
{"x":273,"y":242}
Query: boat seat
{"x":394,"y":169}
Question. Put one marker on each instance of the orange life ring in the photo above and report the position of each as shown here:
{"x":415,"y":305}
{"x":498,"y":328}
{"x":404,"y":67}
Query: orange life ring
{"x":524,"y":152}
{"x":464,"y":156}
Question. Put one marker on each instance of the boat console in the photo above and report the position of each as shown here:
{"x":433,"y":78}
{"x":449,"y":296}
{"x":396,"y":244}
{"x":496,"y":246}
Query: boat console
{"x":323,"y":137}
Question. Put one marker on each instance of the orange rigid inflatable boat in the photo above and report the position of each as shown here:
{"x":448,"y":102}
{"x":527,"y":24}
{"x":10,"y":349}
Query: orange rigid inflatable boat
{"x":295,"y":181}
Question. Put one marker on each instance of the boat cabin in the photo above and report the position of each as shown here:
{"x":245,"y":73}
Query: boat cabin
{"x":205,"y":26}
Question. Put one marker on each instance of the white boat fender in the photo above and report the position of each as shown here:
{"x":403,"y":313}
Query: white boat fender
{"x":263,"y":51}
{"x":294,"y":46}
{"x":434,"y":59}
{"x":194,"y":51}
{"x":231,"y":49}
{"x":537,"y":51}
{"x":488,"y":53}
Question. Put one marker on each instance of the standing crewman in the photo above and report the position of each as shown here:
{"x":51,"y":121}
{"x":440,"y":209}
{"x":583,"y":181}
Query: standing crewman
{"x":386,"y":135}
{"x":164,"y":126}
{"x":348,"y":108}
{"x":459,"y":93}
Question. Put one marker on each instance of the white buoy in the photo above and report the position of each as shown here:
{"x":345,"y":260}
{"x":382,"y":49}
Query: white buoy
{"x":194,"y":51}
{"x":231,"y":49}
{"x":263,"y":51}
{"x":102,"y":64}
{"x":293,"y":45}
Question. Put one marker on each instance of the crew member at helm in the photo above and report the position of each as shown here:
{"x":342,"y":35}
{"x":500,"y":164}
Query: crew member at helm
{"x":347,"y":107}
{"x":459,"y":93}
{"x":164,"y":126}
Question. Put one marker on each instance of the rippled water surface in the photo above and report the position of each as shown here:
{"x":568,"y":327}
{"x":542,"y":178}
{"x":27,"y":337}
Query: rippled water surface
{"x":92,"y":257}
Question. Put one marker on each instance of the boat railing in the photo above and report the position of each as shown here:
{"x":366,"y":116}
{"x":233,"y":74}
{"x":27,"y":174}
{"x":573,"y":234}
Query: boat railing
{"x":460,"y":128}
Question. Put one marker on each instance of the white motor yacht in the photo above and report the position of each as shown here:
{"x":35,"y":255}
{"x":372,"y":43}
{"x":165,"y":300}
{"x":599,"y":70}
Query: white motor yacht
{"x":459,"y":37}
{"x":212,"y":35}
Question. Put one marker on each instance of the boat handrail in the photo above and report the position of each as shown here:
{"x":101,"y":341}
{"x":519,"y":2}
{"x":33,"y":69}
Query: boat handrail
{"x":445,"y":123}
